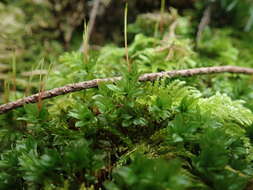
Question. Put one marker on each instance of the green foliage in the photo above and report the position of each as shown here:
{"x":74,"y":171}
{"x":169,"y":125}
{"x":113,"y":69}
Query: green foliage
{"x":239,"y":13}
{"x":243,"y":18}
{"x":135,"y":176}
{"x":72,"y":69}
{"x":147,"y":23}
{"x":214,"y":163}
{"x":129,"y":113}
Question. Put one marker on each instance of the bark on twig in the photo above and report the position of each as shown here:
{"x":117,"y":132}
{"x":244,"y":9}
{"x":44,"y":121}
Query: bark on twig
{"x":146,"y":77}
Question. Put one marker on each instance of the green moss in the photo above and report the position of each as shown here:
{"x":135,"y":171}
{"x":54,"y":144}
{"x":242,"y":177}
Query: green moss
{"x":182,"y":133}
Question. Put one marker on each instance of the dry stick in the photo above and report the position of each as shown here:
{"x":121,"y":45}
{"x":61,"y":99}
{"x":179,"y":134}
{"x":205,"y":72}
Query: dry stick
{"x":146,"y":77}
{"x":203,"y":23}
{"x":91,"y":24}
{"x":93,"y":15}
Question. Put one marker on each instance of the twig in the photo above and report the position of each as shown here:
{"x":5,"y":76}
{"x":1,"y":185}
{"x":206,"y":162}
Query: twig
{"x":146,"y":77}
{"x":204,"y":22}
{"x":93,"y":16}
{"x":91,"y":24}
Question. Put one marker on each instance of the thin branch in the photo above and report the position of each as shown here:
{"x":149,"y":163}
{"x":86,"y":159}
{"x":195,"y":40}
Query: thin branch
{"x":91,"y":24}
{"x":205,"y":20}
{"x":146,"y":77}
{"x":93,"y":16}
